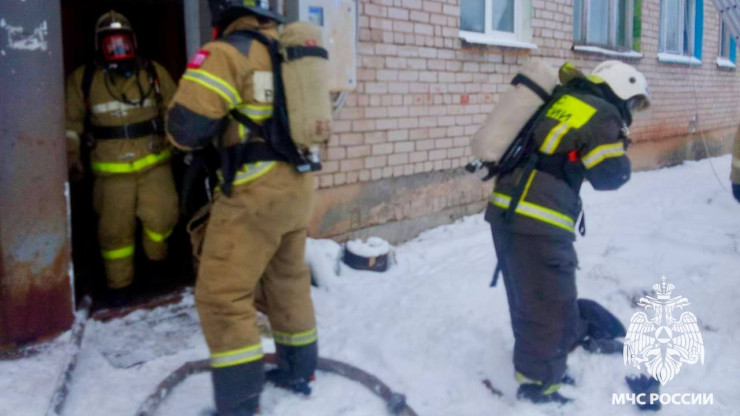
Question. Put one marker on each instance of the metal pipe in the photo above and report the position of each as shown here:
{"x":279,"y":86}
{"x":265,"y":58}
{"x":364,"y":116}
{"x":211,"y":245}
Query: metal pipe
{"x":36,"y":297}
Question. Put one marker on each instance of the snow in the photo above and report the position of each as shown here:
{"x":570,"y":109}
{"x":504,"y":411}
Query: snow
{"x":373,"y":247}
{"x":431,"y":328}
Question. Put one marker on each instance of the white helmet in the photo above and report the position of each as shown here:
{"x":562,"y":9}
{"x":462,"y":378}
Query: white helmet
{"x":625,"y":81}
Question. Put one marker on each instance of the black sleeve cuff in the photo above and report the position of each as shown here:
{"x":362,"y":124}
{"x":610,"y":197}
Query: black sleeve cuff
{"x":610,"y":174}
{"x":736,"y":191}
{"x":191,"y":129}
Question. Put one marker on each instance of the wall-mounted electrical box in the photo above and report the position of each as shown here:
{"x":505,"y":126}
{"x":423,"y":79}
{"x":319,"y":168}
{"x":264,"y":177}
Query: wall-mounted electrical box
{"x":338,"y":20}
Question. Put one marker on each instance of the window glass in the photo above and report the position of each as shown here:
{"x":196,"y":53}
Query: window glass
{"x":598,"y":22}
{"x":671,"y":25}
{"x":503,"y":15}
{"x":622,"y":23}
{"x":473,"y":15}
{"x":578,"y":20}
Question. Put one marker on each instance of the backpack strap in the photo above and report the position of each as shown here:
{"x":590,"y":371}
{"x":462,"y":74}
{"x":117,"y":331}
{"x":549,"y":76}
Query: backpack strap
{"x":521,"y":79}
{"x":298,"y":52}
{"x":154,"y":82}
{"x":87,"y":78}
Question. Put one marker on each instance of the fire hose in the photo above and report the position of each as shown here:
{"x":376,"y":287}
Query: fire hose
{"x":395,"y":402}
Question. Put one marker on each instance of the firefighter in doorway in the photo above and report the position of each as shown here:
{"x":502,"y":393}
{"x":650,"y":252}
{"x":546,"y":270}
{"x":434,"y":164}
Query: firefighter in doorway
{"x":254,"y":247}
{"x":115,"y":108}
{"x":533,"y":211}
{"x":736,"y":166}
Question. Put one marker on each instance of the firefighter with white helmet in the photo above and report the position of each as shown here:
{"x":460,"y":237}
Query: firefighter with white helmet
{"x":253,"y":254}
{"x":582,"y":133}
{"x":118,"y":101}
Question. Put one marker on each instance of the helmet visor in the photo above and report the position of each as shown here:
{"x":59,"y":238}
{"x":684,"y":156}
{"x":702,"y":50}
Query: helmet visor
{"x":118,"y":47}
{"x":638,"y":103}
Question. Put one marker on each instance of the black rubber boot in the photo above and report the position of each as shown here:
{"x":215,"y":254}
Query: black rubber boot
{"x":535,"y":393}
{"x":296,"y":367}
{"x":237,"y":388}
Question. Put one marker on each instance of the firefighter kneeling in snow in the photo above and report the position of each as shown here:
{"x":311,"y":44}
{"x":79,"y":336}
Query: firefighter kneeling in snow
{"x":119,"y":102}
{"x":254,"y":246}
{"x":582,"y":133}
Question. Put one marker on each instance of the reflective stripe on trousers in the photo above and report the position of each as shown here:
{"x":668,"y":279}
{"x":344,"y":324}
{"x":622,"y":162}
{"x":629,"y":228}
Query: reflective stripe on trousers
{"x":297,"y":339}
{"x":157,"y":237}
{"x":133,"y":166}
{"x":522,"y":379}
{"x":236,"y":357}
{"x":535,"y":211}
{"x":120,"y":253}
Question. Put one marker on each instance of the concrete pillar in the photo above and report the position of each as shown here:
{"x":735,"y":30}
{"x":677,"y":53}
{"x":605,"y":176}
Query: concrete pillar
{"x":35,"y":278}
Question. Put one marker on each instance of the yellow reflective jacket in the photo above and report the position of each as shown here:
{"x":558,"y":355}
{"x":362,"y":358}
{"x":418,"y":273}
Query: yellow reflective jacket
{"x":578,"y":129}
{"x":223,"y":77}
{"x":116,"y":101}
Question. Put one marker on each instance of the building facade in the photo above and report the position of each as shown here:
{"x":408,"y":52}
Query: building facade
{"x":429,"y":72}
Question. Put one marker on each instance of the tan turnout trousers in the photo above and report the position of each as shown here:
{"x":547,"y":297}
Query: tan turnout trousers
{"x":254,"y":250}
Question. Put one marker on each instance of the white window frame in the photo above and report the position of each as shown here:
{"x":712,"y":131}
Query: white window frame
{"x":520,"y":38}
{"x":612,"y":28}
{"x":725,"y":60}
{"x":691,"y":33}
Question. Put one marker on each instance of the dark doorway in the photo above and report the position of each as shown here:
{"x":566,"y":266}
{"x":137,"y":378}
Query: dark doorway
{"x":159,"y":26}
{"x":160,"y":32}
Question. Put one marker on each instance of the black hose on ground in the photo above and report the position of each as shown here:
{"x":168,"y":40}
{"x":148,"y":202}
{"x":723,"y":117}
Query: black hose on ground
{"x":56,"y":404}
{"x":395,"y":402}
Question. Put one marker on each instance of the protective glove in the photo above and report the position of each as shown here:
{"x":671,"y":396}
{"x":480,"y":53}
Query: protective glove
{"x":736,"y":191}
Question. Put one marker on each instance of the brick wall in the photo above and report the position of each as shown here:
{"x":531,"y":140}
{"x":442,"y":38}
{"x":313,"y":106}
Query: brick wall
{"x":422,"y":91}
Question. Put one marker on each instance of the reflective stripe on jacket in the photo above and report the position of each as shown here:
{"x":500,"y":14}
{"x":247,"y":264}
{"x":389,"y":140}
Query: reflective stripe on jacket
{"x":225,"y":77}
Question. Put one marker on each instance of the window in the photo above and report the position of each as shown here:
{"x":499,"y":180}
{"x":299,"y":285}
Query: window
{"x":604,"y":23}
{"x":681,"y":24}
{"x":496,"y":22}
{"x":727,"y":48}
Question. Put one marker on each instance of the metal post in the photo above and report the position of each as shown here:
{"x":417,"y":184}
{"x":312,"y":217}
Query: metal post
{"x":35,"y":278}
{"x":192,"y":27}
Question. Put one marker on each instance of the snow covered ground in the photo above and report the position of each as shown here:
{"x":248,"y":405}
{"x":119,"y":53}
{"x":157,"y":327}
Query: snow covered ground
{"x":432,"y":329}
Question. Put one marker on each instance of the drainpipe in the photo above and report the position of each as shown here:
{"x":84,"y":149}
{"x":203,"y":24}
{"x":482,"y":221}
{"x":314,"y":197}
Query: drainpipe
{"x":36,"y":297}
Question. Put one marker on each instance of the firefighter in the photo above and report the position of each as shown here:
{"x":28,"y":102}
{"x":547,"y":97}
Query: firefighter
{"x":534,"y":209}
{"x":118,"y":102}
{"x":736,"y":167}
{"x":254,"y":245}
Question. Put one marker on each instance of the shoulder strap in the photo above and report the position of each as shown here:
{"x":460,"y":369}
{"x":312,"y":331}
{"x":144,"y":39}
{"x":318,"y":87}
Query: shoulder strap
{"x":298,"y":52}
{"x":87,"y":79}
{"x":241,"y":40}
{"x":154,"y":82}
{"x":527,"y":82}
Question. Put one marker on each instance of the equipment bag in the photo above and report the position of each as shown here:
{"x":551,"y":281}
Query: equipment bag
{"x":306,"y":80}
{"x":530,"y":91}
